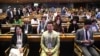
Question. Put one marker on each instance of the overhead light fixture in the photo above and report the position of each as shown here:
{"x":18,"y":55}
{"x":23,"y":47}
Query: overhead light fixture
{"x":36,"y":4}
{"x":17,"y":1}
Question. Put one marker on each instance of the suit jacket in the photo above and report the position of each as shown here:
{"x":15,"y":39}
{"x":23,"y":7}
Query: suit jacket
{"x":30,"y":29}
{"x":80,"y":36}
{"x":9,"y":14}
{"x":14,"y":40}
{"x":41,"y":26}
{"x":58,"y":28}
{"x":21,"y":13}
{"x":55,"y":42}
{"x":71,"y":28}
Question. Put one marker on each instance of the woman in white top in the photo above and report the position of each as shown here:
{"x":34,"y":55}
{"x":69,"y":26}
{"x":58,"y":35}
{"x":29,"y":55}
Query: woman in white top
{"x":18,"y":42}
{"x":34,"y":21}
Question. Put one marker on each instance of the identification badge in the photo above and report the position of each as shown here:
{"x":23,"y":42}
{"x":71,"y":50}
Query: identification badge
{"x":42,"y":30}
{"x":26,"y":31}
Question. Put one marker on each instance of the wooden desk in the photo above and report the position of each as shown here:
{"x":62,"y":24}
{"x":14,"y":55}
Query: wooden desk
{"x":36,"y":38}
{"x":3,"y":16}
{"x":64,"y":18}
{"x":66,"y":44}
{"x":7,"y":27}
{"x":33,"y":37}
{"x":13,"y":25}
{"x":35,"y":25}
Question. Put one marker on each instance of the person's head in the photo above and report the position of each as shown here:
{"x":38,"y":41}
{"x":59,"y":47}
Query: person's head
{"x":94,"y":22}
{"x":35,"y":18}
{"x":50,"y":26}
{"x":43,"y":18}
{"x":18,"y":30}
{"x":73,"y":21}
{"x":14,"y":8}
{"x":93,"y":17}
{"x":9,"y":7}
{"x":76,"y":18}
{"x":26,"y":20}
{"x":16,"y":18}
{"x":87,"y":24}
{"x":58,"y":20}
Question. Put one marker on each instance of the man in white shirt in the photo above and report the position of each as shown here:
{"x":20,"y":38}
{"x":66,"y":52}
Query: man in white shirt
{"x":94,"y":26}
{"x":34,"y":21}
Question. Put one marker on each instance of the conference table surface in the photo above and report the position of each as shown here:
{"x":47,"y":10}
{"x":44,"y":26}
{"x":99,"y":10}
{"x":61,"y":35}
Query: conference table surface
{"x":37,"y":37}
{"x":35,"y":25}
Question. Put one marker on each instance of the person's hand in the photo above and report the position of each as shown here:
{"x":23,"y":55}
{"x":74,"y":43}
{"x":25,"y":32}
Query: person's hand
{"x":86,"y":41}
{"x":91,"y":41}
{"x":73,"y":31}
{"x":21,"y":50}
{"x":49,"y":52}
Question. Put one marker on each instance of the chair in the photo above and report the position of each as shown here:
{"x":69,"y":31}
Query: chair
{"x":25,"y":51}
{"x":79,"y":52}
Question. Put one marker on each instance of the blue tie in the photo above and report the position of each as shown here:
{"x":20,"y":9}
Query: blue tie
{"x":86,"y":35}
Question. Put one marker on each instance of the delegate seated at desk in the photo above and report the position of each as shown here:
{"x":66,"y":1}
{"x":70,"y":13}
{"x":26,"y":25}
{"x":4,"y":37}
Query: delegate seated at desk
{"x":84,"y":38}
{"x":41,"y":25}
{"x":58,"y":24}
{"x":73,"y":27}
{"x":18,"y":42}
{"x":27,"y":27}
{"x":94,"y":26}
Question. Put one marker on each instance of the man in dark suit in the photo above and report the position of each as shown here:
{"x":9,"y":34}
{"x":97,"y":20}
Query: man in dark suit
{"x":27,"y":28}
{"x":84,"y":38}
{"x":18,"y":42}
{"x":10,"y":15}
{"x":19,"y":13}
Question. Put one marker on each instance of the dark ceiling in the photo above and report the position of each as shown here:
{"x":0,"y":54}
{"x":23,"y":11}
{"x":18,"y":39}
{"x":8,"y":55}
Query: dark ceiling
{"x":42,"y":1}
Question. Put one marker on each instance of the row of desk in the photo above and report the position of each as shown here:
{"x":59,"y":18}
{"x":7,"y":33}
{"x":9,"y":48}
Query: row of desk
{"x":37,"y":37}
{"x":35,"y":25}
{"x":7,"y":27}
{"x":64,"y":18}
{"x":66,"y":44}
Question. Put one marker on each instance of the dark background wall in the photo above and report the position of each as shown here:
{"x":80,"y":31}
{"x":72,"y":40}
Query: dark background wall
{"x":5,"y":6}
{"x":69,"y":5}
